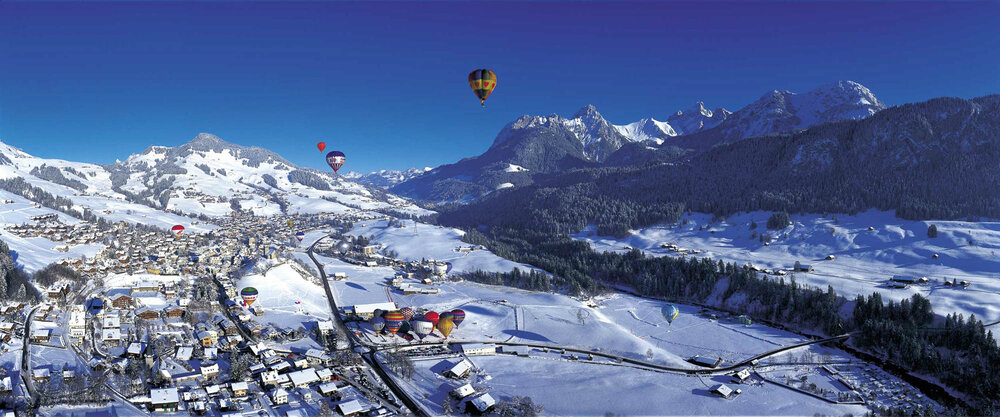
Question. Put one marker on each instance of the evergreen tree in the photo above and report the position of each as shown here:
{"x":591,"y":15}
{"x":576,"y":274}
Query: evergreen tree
{"x":932,"y":231}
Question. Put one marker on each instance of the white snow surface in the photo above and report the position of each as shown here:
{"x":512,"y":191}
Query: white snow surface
{"x":864,"y":260}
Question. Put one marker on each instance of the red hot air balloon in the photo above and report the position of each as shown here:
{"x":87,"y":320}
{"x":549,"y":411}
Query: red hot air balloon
{"x":433,"y":317}
{"x":336,"y":160}
{"x":393,"y":321}
{"x":407,"y":312}
{"x":457,"y":316}
{"x":321,"y":146}
{"x":178,"y":229}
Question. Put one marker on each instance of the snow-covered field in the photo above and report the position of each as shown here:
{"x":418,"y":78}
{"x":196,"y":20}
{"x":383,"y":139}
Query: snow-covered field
{"x":594,"y":390}
{"x":433,"y":242}
{"x":288,"y":299}
{"x":865,"y":259}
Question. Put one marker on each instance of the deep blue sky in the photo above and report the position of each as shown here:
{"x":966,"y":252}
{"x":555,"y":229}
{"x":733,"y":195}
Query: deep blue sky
{"x":386,"y":82}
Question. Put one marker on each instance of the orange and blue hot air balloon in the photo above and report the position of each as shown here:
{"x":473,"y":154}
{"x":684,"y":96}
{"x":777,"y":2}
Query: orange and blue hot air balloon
{"x":482,"y":81}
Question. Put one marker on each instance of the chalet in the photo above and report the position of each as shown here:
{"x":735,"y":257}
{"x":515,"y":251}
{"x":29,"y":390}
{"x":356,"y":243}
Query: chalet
{"x":41,"y":335}
{"x":68,"y":374}
{"x":40,"y":374}
{"x":239,"y":388}
{"x":318,"y":357}
{"x":706,"y":362}
{"x":147,"y":313}
{"x":209,"y":371}
{"x":208,"y":338}
{"x":463,"y":391}
{"x":328,"y":389}
{"x":302,"y":379}
{"x":145,"y":287}
{"x":724,"y":391}
{"x":279,"y":396}
{"x":121,"y":301}
{"x":459,"y":370}
{"x":173,"y":312}
{"x":325,"y":375}
{"x":212,"y":390}
{"x":481,"y":404}
{"x":6,"y":385}
{"x":164,"y":400}
{"x":801,"y":267}
{"x":742,"y":375}
{"x":269,"y":377}
{"x":350,"y":408}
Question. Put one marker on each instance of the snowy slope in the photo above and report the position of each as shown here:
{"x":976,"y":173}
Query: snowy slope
{"x":864,"y":259}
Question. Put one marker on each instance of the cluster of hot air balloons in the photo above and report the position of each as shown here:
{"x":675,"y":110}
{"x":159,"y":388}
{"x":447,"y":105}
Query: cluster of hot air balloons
{"x":404,"y":321}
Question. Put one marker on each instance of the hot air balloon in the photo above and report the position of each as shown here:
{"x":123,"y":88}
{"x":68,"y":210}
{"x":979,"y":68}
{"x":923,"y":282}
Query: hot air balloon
{"x":378,"y":324}
{"x":445,"y":326}
{"x":343,"y":247}
{"x":249,"y":295}
{"x":422,"y":327}
{"x":432,"y":317}
{"x":670,"y":313}
{"x":321,"y":146}
{"x":482,"y":81}
{"x":299,"y":236}
{"x":393,"y":320}
{"x":177,"y":229}
{"x":457,"y":316}
{"x":291,"y":223}
{"x":448,"y":267}
{"x":336,"y":160}
{"x":447,"y":315}
{"x":407,"y":312}
{"x":405,"y":327}
{"x":378,"y":312}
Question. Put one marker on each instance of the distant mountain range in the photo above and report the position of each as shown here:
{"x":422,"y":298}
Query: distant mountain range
{"x":386,"y":178}
{"x":931,"y":160}
{"x":204,"y":177}
{"x":553,"y":144}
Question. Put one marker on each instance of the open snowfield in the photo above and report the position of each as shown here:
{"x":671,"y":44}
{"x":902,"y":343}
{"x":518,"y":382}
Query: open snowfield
{"x":288,"y":299}
{"x":598,"y":389}
{"x":865,"y":259}
{"x":433,"y":242}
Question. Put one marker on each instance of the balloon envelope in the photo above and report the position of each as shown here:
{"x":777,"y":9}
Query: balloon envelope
{"x":343,"y":247}
{"x":178,"y":229}
{"x":458,"y":316}
{"x":445,"y":326}
{"x":422,"y":327}
{"x":249,"y":295}
{"x":482,"y":81}
{"x":407,"y":312}
{"x":393,"y":320}
{"x":336,"y":160}
{"x":432,"y":317}
{"x":447,"y":315}
{"x":378,"y":324}
{"x":299,"y":236}
{"x":321,"y":146}
{"x":670,"y":313}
